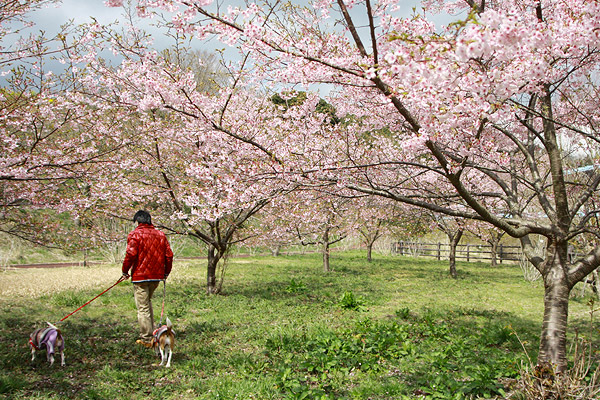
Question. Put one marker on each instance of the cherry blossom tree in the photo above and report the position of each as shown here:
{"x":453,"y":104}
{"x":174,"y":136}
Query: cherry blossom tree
{"x":313,"y":218}
{"x":193,"y":189}
{"x":274,"y":228}
{"x":476,"y":111}
{"x":190,"y":189}
{"x":190,"y":153}
{"x":488,"y":234}
{"x":18,"y":44}
{"x":44,"y":148}
{"x":372,"y":217}
{"x":371,"y":228}
{"x":454,"y":229}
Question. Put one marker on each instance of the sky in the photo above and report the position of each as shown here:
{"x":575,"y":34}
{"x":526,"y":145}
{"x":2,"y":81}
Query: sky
{"x":80,"y":11}
{"x":50,"y":19}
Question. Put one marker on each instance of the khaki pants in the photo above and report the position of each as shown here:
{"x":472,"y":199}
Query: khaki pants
{"x":142,"y":292}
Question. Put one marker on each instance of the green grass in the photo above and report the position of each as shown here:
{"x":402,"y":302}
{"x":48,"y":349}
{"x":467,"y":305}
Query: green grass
{"x":395,"y":328}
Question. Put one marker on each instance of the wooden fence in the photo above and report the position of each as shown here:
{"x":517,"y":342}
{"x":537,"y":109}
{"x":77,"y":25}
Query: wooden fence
{"x":466,"y":252}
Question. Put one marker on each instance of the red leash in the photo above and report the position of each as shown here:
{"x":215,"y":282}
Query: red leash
{"x":115,"y":284}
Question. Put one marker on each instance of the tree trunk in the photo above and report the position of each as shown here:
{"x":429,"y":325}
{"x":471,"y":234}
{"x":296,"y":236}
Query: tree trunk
{"x":553,"y":341}
{"x":596,"y":283}
{"x":454,"y":240}
{"x":325,"y":250}
{"x":369,"y":251}
{"x":369,"y":239}
{"x":211,"y":271}
{"x":452,"y":259}
{"x":275,"y":251}
{"x":494,"y":252}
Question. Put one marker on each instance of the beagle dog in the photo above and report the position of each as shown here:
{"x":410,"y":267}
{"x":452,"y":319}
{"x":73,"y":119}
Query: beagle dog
{"x":163,"y":343}
{"x":49,"y":338}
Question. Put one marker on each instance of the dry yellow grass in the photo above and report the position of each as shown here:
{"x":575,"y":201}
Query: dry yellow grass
{"x":36,"y":282}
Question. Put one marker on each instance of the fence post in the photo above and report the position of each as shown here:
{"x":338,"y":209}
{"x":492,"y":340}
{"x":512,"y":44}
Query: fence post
{"x":500,"y":252}
{"x":468,"y":252}
{"x":439,"y":251}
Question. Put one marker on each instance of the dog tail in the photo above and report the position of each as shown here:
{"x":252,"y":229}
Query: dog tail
{"x":170,"y":335}
{"x":56,"y":328}
{"x":52,"y":326}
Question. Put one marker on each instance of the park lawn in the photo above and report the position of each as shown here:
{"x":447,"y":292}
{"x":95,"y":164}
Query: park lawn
{"x":394,"y":328}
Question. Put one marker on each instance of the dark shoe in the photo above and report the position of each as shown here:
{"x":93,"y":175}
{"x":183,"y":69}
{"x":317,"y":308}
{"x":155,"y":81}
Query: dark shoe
{"x":143,"y":343}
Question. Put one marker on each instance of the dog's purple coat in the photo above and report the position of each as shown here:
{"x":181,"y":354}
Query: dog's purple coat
{"x":49,"y":340}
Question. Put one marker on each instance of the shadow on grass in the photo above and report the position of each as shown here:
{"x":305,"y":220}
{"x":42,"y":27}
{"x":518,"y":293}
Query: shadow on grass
{"x":95,"y":339}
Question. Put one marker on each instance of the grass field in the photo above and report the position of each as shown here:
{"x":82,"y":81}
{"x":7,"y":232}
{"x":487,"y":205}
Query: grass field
{"x":395,"y":328}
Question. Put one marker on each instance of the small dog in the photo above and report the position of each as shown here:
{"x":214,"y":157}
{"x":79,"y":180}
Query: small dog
{"x":49,"y":338}
{"x":163,"y":343}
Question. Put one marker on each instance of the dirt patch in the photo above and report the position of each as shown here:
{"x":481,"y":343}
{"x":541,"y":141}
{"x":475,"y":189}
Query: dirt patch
{"x":53,"y":265}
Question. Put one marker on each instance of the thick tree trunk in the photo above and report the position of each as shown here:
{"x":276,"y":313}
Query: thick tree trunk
{"x":452,"y":259}
{"x":211,"y":270}
{"x":553,"y":342}
{"x":370,"y":252}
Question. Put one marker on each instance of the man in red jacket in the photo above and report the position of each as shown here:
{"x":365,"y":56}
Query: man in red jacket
{"x":150,"y":258}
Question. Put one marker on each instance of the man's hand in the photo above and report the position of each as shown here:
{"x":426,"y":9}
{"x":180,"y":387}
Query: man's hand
{"x":125,"y":275}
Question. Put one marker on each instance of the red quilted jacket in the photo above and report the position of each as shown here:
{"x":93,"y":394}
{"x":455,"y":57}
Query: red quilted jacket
{"x":148,"y":255}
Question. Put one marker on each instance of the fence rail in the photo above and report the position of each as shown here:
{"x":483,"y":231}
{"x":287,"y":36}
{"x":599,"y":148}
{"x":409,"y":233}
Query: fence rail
{"x":467,"y":252}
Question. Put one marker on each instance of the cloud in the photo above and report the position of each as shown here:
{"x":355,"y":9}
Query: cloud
{"x":51,"y":18}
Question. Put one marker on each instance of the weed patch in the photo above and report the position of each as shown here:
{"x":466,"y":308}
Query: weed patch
{"x":349,"y":301}
{"x":295,"y":286}
{"x":437,"y":363}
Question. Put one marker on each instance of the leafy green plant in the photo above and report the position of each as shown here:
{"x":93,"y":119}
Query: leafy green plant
{"x":497,"y":335}
{"x":403,"y":313}
{"x":295,"y":286}
{"x":483,"y":381}
{"x":350,"y":302}
{"x":324,"y":362}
